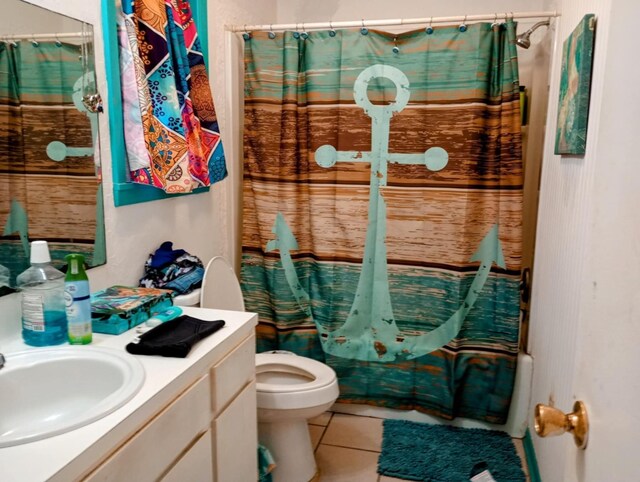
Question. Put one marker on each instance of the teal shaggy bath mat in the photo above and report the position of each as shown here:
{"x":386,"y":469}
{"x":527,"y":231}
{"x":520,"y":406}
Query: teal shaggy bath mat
{"x":439,"y":453}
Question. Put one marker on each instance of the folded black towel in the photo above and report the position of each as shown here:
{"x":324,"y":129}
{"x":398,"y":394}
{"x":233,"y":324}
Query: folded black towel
{"x":174,"y":338}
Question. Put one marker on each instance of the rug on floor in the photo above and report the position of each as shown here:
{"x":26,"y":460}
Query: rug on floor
{"x":439,"y":453}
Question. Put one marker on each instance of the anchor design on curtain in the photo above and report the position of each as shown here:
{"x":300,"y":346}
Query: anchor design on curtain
{"x":370,"y":332}
{"x":59,"y":151}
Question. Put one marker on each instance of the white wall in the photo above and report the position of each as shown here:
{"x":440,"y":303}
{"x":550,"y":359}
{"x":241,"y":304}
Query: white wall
{"x":305,"y":11}
{"x":23,"y":18}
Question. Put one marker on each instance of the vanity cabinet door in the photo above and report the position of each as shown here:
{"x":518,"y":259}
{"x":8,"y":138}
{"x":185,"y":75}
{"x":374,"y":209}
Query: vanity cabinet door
{"x":196,"y":465}
{"x":232,"y":373}
{"x":235,"y":439}
{"x":151,"y":451}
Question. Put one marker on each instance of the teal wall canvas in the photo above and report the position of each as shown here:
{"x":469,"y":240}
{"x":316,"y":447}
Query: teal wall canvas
{"x":575,"y":83}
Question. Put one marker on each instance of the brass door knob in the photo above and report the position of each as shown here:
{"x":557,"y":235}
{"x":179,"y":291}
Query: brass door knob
{"x":549,"y":421}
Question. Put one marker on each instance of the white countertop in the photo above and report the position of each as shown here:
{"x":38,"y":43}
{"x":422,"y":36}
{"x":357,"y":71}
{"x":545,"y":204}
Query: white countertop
{"x":68,"y":456}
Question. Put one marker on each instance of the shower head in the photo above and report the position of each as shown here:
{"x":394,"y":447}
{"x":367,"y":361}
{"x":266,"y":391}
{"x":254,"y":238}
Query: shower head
{"x":523,"y":39}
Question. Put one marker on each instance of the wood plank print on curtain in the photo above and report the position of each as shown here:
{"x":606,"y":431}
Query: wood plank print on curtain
{"x":382,"y":211}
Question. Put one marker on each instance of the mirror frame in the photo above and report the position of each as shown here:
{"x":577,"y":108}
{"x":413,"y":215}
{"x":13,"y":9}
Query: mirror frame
{"x":125,"y":192}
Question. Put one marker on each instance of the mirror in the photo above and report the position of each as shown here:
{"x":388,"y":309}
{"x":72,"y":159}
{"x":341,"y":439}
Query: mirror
{"x":50,"y":179}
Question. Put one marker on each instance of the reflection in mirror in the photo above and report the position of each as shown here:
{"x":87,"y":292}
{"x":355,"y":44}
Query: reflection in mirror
{"x":50,"y":180}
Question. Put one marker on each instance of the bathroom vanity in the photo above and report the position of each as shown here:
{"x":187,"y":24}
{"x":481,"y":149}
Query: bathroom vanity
{"x":194,"y":419}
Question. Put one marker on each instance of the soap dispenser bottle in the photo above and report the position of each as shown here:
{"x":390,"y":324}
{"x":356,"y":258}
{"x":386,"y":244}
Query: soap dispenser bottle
{"x":44,"y":321}
{"x":77,"y":300}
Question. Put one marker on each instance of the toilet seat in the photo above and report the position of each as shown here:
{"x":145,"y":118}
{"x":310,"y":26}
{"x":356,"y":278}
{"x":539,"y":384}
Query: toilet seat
{"x":317,"y":374}
{"x":299,"y":382}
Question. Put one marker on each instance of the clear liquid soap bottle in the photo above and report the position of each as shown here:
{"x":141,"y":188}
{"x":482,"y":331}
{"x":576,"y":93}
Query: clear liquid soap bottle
{"x":44,"y":320}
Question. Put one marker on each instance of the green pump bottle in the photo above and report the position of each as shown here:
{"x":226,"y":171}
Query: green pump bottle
{"x":77,"y":297}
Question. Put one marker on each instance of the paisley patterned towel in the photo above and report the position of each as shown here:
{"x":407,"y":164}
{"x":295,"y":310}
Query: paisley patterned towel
{"x":171,"y":130}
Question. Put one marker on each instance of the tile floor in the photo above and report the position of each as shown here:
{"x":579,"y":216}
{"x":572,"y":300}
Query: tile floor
{"x":347,"y":448}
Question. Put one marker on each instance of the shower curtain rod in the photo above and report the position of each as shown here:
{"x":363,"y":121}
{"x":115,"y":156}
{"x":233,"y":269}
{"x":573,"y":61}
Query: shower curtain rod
{"x":43,"y":36}
{"x":392,"y":22}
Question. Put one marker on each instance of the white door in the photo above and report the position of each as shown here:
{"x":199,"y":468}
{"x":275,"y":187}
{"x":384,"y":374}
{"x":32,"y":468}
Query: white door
{"x":585,"y":319}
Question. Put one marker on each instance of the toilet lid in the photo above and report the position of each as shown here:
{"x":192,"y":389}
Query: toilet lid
{"x":277,"y":373}
{"x":220,"y":287}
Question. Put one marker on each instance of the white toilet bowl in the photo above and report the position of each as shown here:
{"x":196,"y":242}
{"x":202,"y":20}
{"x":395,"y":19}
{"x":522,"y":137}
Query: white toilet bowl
{"x":290,"y":390}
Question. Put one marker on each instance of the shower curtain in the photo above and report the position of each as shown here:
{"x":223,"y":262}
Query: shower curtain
{"x":382,"y":211}
{"x":49,"y":177}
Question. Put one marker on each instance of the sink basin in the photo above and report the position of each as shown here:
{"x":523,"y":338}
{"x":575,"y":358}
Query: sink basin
{"x":46,"y":392}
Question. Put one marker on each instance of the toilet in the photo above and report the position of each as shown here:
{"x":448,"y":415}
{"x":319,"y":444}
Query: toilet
{"x":290,"y":389}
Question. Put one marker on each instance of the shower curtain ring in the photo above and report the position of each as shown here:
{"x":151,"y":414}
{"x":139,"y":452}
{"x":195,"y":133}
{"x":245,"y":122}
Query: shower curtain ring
{"x":34,"y":42}
{"x":304,"y":33}
{"x":495,"y":21}
{"x":332,"y":32}
{"x":512,"y":16}
{"x":395,"y":49}
{"x":296,"y":34}
{"x":246,"y":35}
{"x":271,"y":34}
{"x":58,"y":43}
{"x":429,"y":29}
{"x":364,"y":30}
{"x":463,"y":25}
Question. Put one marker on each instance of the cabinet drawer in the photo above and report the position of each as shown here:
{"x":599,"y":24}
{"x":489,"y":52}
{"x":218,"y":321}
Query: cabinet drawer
{"x":233,"y":372}
{"x":195,"y":465}
{"x":148,"y":454}
{"x":235,"y":439}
